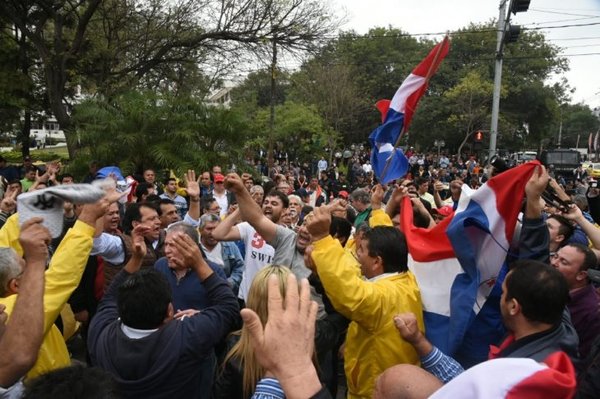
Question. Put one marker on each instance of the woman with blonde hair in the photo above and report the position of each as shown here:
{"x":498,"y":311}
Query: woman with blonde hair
{"x":241,"y":371}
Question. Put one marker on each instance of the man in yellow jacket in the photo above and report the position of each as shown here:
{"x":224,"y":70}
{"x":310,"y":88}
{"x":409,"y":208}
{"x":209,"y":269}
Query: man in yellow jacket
{"x":61,"y":279}
{"x":372,"y":343}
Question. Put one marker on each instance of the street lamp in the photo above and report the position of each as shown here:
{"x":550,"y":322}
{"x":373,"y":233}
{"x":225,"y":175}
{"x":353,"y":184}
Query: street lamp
{"x":439,"y":144}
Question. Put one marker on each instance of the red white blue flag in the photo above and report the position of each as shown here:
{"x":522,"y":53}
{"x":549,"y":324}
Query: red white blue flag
{"x":514,"y":378}
{"x":456,"y":263}
{"x":399,"y":115}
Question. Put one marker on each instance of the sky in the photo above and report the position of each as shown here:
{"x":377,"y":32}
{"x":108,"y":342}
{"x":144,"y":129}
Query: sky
{"x":424,"y":16}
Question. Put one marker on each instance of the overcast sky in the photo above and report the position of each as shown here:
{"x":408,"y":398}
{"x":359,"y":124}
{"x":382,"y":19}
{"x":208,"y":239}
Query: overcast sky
{"x":424,"y":16}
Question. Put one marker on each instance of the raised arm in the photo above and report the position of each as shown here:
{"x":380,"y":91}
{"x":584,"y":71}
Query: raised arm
{"x":249,"y":209}
{"x":22,"y":338}
{"x":193,"y":191}
{"x":227,"y":229}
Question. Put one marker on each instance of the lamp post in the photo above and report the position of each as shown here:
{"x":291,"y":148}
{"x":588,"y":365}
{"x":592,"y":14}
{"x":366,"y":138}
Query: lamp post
{"x":439,"y":144}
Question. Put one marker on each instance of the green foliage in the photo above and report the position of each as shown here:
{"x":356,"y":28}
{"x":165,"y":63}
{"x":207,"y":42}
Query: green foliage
{"x":299,"y":130}
{"x":527,"y":106}
{"x":16,"y":157}
{"x":137,"y":130}
{"x":577,"y":120}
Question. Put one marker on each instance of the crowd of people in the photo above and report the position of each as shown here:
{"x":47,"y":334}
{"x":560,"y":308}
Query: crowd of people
{"x":290,"y":281}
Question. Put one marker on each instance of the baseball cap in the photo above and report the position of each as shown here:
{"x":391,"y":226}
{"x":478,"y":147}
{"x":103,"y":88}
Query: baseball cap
{"x":444,"y":210}
{"x":343,"y":194}
{"x":219,"y":178}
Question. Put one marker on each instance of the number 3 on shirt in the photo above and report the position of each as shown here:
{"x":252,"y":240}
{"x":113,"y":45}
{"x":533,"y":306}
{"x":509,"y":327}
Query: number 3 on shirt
{"x":257,"y":242}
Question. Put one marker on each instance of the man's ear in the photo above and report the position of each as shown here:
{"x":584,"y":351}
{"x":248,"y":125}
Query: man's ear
{"x":13,"y":286}
{"x":514,"y":307}
{"x":378,"y":266}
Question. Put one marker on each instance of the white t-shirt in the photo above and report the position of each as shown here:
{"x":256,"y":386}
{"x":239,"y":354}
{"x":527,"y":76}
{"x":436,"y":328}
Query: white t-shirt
{"x":258,"y":255}
{"x":215,"y":254}
{"x":223,"y":203}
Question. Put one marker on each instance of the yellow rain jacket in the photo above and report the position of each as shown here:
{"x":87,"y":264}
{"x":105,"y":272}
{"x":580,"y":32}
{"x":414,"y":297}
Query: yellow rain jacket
{"x":372,"y":344}
{"x":62,"y":277}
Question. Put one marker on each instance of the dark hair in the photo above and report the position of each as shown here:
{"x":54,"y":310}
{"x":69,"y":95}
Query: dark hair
{"x":276,"y":193}
{"x":421,"y":180}
{"x":66,"y":175}
{"x":540,"y":289}
{"x":133,"y":214}
{"x":152,"y":199}
{"x":389,"y":243}
{"x":15,"y":181}
{"x":74,"y":382}
{"x":340,"y":228}
{"x":167,"y":180}
{"x":421,"y":219}
{"x":143,"y":299}
{"x":205,"y":203}
{"x":565,"y":229}
{"x":589,"y":257}
{"x":163,"y":201}
{"x":31,"y":168}
{"x":141,"y":189}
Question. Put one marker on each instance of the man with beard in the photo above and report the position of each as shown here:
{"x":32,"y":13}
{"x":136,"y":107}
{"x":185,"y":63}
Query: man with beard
{"x":289,"y":248}
{"x":258,"y":252}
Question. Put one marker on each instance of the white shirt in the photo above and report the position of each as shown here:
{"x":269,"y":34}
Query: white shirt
{"x":223,"y":202}
{"x":258,"y":255}
{"x":214,"y":255}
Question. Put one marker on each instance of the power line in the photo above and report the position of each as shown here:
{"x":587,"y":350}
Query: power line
{"x":563,"y":13}
{"x":574,"y":38}
{"x":562,"y":26}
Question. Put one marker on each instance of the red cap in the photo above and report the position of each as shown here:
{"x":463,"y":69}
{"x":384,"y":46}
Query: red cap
{"x":343,"y":194}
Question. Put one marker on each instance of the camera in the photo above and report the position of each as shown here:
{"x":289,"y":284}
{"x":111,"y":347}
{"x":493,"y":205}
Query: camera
{"x":594,"y":183}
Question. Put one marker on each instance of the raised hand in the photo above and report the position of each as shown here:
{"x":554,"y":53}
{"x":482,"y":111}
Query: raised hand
{"x":34,"y":239}
{"x":234,"y":183}
{"x":190,"y":254}
{"x":9,"y":202}
{"x":284,"y":346}
{"x":192,"y":186}
{"x":376,"y":196}
{"x":139,"y":244}
{"x":318,"y":222}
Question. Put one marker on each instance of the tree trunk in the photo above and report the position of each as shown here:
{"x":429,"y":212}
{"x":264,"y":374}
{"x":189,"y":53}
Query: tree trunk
{"x":25,"y":129}
{"x":462,"y":144}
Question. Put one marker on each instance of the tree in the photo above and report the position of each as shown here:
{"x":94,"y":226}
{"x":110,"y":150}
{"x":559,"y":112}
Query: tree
{"x":470,"y":101}
{"x":376,"y":63}
{"x":159,"y":33}
{"x":577,"y":123}
{"x":138,"y":130}
{"x":299,"y":130}
{"x":334,"y":93}
{"x":528,"y":106}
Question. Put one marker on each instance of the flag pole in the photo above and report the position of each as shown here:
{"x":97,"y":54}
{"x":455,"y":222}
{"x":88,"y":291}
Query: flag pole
{"x":427,"y":77}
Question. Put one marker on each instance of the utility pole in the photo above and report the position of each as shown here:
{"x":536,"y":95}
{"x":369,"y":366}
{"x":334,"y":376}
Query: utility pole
{"x":497,"y":79}
{"x":506,"y":34}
